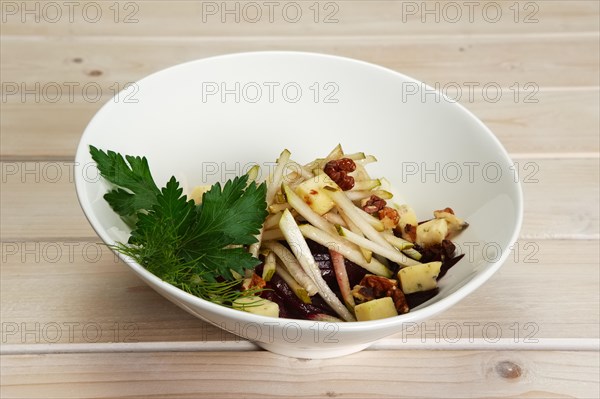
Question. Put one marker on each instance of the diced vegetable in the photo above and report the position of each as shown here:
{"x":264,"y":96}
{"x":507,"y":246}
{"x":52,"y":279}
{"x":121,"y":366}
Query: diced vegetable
{"x":408,"y":217}
{"x":376,"y":309}
{"x":432,"y":232}
{"x":311,"y":191}
{"x":455,"y":225}
{"x":305,"y":210}
{"x":257,"y":305}
{"x":418,"y":278}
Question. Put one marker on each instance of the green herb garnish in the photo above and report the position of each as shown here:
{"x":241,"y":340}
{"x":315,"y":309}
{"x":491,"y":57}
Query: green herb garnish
{"x":138,"y":190}
{"x":194,"y":247}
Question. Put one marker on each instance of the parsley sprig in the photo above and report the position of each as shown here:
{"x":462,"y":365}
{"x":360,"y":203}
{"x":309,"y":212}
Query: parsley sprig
{"x":194,"y":247}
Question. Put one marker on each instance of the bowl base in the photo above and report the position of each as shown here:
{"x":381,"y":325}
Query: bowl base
{"x":313,"y":353}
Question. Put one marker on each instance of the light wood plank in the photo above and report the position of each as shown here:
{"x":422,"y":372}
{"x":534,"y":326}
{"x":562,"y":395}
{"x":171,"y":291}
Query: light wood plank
{"x":558,"y":205}
{"x":342,"y":17}
{"x":77,"y":292}
{"x":522,"y":126}
{"x":53,"y":63}
{"x":39,"y":200}
{"x":393,"y":374}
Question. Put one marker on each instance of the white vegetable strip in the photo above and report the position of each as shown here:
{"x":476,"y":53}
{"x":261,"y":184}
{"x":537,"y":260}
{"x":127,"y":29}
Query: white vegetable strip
{"x":325,"y":317}
{"x":298,"y":169}
{"x":347,"y":249}
{"x":398,"y":242}
{"x":305,"y":210}
{"x":269,"y":267}
{"x":298,"y":289}
{"x":334,"y":218}
{"x":413,"y":253}
{"x":336,"y":153}
{"x":271,"y":191}
{"x":253,"y":249}
{"x":299,"y":247}
{"x":337,"y":260}
{"x":272,"y":221}
{"x":354,"y":214}
{"x":277,"y":175}
{"x":366,"y":160}
{"x":292,"y":179}
{"x":319,"y":163}
{"x":354,"y":228}
{"x":278,"y":207}
{"x":368,"y":184}
{"x":355,"y":156}
{"x":391,"y":254}
{"x":362,"y":194}
{"x":375,"y":223}
{"x":253,"y":173}
{"x":292,"y":265}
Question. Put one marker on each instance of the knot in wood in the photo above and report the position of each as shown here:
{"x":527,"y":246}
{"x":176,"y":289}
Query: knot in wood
{"x":509,"y":370}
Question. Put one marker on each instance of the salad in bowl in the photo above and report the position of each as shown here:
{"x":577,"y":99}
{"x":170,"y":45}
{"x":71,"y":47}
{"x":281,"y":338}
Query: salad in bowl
{"x":318,"y":251}
{"x":321,"y":241}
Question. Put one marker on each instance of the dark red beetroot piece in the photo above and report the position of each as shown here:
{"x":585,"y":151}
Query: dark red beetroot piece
{"x":290,"y":306}
{"x":443,"y":252}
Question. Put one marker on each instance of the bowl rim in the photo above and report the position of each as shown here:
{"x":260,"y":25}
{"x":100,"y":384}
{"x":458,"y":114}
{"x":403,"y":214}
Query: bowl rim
{"x":359,"y":326}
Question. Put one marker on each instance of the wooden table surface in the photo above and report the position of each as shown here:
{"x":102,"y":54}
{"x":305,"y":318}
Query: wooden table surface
{"x":77,"y":323}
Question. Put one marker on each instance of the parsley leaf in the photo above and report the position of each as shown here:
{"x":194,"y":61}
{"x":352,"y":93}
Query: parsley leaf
{"x":137,"y":188}
{"x":193,"y":247}
{"x":205,"y":237}
{"x":227,"y":217}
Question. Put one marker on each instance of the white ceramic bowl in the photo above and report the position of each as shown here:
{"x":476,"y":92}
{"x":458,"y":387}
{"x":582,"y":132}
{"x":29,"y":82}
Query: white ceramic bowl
{"x":207,"y":120}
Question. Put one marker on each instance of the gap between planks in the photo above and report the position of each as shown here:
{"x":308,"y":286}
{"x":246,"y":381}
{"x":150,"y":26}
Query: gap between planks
{"x":524,"y":155}
{"x":463,"y":344}
{"x":516,"y":37}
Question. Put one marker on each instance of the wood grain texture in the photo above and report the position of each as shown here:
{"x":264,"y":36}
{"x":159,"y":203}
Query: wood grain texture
{"x":79,"y":293}
{"x":526,"y":122}
{"x":60,"y":290}
{"x":393,"y":374}
{"x":300,"y":18}
{"x":54,"y":63}
{"x":39,"y":200}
